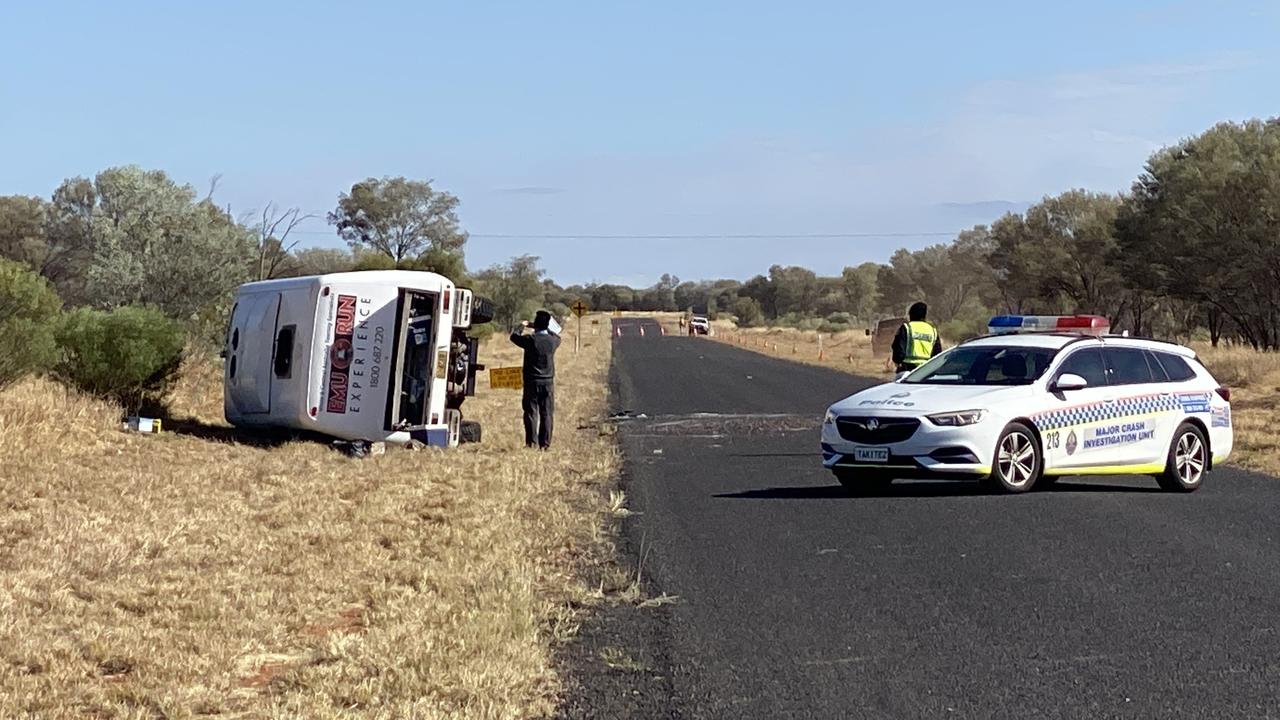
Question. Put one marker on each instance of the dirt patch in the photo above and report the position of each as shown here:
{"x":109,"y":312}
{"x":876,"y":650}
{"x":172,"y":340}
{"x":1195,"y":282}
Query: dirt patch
{"x":347,"y":622}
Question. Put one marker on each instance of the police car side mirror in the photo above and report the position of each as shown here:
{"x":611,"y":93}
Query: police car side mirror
{"x":1069,"y":381}
{"x":901,"y":376}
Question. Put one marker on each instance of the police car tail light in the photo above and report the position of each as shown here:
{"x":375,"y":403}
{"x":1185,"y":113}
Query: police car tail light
{"x":956,"y":419}
{"x":1083,"y":324}
{"x":1224,"y":393}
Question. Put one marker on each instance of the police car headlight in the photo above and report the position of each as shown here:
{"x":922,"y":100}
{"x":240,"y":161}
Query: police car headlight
{"x":956,"y":419}
{"x":830,"y":419}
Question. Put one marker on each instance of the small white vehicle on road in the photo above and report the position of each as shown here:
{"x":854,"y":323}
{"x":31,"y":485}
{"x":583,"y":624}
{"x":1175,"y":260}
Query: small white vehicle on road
{"x":1039,"y":398}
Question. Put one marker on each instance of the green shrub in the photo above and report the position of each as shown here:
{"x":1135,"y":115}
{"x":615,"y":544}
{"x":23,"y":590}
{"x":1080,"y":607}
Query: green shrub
{"x":836,"y":322}
{"x":28,"y":320}
{"x":129,"y":355}
{"x":561,"y":312}
{"x":961,"y":329}
{"x":788,"y":320}
{"x":207,"y":329}
{"x":373,"y":261}
{"x":747,"y":312}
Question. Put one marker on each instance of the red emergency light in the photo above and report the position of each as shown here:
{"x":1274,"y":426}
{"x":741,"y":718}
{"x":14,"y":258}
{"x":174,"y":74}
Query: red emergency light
{"x":1084,"y":324}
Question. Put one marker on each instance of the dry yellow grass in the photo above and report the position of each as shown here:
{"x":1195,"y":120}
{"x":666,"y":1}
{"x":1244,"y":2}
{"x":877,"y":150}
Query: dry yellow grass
{"x":1254,"y":379}
{"x":184,"y":575}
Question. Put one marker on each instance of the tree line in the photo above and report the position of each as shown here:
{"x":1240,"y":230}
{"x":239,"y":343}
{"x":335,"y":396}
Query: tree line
{"x":108,"y":282}
{"x":1193,"y":248}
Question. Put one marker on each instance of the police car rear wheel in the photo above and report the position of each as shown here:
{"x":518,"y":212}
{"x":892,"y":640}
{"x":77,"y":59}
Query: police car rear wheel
{"x":1187,"y":462}
{"x":1017,"y":462}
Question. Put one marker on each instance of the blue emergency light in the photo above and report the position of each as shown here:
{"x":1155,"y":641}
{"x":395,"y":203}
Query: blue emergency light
{"x":1079,"y":324}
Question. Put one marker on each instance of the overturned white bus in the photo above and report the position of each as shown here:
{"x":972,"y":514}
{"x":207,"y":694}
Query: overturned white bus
{"x":380,"y":355}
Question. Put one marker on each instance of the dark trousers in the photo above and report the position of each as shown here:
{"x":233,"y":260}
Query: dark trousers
{"x":539,"y":405}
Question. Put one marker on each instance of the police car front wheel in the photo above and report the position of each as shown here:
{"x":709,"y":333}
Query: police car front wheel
{"x":1017,"y":463}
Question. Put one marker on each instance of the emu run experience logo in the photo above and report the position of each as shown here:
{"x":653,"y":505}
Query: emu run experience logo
{"x":340,"y":354}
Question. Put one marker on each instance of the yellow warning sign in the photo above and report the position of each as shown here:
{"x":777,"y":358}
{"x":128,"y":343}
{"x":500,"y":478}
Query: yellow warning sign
{"x":508,"y":378}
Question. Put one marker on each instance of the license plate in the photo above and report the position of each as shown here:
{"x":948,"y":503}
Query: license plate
{"x":871,"y":454}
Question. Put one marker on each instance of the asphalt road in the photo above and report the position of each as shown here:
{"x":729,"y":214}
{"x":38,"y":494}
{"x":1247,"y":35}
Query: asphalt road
{"x":1094,"y":599}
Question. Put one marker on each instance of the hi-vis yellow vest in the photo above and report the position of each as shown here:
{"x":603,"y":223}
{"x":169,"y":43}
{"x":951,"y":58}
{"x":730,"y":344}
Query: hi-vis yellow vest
{"x":921,"y":337}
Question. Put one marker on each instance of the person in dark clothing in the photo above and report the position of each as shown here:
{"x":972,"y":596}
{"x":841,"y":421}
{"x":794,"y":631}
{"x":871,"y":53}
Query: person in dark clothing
{"x":539,"y":401}
{"x":917,"y":340}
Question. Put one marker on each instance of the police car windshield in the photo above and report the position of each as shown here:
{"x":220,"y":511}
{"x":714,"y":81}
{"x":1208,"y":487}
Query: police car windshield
{"x":985,"y":365}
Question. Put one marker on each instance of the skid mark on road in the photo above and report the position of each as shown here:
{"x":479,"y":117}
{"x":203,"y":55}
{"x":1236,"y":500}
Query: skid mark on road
{"x":718,"y":425}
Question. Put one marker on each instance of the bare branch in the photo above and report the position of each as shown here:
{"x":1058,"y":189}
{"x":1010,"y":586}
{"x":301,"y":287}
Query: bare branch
{"x":274,"y":229}
{"x":213,"y":186}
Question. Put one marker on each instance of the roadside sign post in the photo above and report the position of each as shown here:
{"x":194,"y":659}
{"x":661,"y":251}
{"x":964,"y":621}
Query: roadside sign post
{"x":579,"y":308}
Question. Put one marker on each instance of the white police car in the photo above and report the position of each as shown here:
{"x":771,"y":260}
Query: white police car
{"x":1040,"y":397}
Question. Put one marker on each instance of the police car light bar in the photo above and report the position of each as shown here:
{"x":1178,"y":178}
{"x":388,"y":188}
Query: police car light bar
{"x":1082,"y":324}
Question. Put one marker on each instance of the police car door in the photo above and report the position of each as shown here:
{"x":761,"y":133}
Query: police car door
{"x":1150,"y":411}
{"x":1067,"y":423}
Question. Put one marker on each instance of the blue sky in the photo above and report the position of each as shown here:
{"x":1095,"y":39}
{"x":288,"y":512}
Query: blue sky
{"x":645,"y":118}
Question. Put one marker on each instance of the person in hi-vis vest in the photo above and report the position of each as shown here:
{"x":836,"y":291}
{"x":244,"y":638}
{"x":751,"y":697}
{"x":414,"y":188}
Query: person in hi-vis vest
{"x":916,"y":341}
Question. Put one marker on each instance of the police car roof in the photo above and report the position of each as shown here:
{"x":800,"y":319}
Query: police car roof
{"x":1058,"y":341}
{"x":1047,"y":340}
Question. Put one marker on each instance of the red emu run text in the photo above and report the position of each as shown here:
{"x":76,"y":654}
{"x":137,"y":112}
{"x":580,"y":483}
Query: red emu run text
{"x":340,"y":354}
